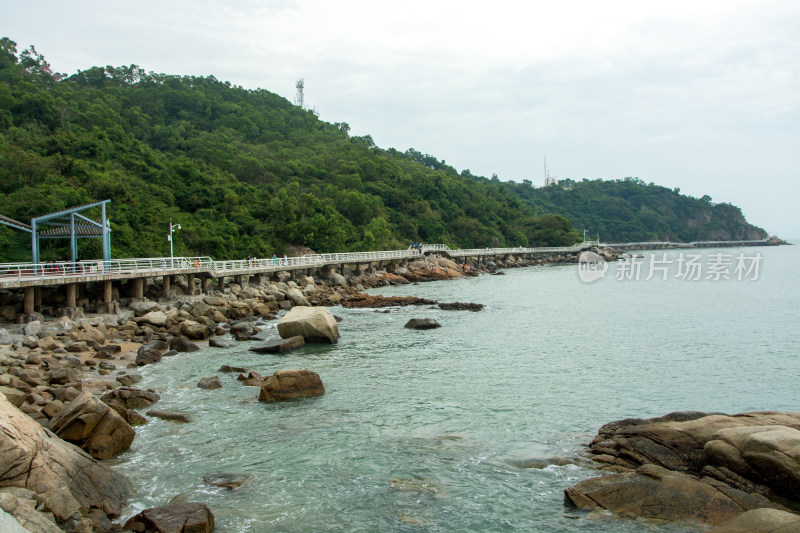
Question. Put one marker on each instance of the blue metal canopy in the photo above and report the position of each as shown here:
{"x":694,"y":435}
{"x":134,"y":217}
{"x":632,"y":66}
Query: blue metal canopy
{"x":67,"y":224}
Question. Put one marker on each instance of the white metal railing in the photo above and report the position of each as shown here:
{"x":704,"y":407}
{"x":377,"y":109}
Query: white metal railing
{"x":98,"y":268}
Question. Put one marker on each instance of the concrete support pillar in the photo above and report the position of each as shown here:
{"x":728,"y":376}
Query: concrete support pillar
{"x":27,"y":306}
{"x":72,"y":294}
{"x":165,"y":287}
{"x":190,"y":282}
{"x":220,"y":283}
{"x":204,"y":285}
{"x":137,"y":290}
{"x":107,"y":295}
{"x":37,"y":298}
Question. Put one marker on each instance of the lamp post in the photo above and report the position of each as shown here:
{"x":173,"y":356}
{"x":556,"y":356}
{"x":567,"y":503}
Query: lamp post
{"x":172,"y":227}
{"x":584,"y":235}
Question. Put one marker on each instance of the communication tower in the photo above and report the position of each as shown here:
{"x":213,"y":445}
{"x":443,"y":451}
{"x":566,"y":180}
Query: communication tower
{"x":298,"y":99}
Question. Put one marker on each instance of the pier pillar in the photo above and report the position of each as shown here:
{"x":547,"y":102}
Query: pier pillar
{"x":27,"y":306}
{"x":137,"y":290}
{"x":221,"y":283}
{"x":72,"y":294}
{"x":37,"y":298}
{"x":107,"y":294}
{"x":190,"y":282}
{"x":166,"y":286}
{"x":204,"y":285}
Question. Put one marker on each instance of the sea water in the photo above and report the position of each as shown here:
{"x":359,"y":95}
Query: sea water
{"x":478,"y":425}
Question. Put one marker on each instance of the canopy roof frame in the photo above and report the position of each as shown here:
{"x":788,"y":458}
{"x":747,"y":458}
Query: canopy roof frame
{"x":66,"y":218}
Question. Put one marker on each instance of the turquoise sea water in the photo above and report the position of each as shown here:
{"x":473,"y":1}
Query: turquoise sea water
{"x":435,"y":430}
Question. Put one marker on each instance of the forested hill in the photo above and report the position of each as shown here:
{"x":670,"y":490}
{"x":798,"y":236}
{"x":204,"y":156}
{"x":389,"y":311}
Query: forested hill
{"x":245,"y":172}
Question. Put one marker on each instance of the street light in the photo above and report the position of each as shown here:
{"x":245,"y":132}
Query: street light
{"x":584,"y":235}
{"x":172,"y":227}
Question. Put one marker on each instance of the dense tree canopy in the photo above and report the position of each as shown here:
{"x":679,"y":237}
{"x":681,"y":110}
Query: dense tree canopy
{"x":245,"y":172}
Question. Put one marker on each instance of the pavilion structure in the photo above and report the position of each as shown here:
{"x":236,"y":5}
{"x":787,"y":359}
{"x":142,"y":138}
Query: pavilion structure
{"x":67,"y":224}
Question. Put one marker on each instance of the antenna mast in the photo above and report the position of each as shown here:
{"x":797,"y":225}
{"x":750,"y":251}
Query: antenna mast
{"x":298,"y":100}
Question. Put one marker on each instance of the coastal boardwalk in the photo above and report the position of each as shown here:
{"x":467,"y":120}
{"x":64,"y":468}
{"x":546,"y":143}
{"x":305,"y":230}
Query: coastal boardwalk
{"x":30,"y":276}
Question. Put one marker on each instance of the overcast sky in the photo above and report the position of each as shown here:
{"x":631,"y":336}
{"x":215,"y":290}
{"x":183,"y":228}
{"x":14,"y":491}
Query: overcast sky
{"x":703,"y":94}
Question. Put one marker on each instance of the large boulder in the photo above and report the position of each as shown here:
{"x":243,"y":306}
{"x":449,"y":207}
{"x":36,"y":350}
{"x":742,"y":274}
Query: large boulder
{"x":141,"y":308}
{"x":210,"y":383}
{"x":653,"y":492}
{"x":238,"y":310}
{"x":130,"y":397}
{"x":314,"y":324}
{"x":201,"y":309}
{"x":215,"y":301}
{"x":194,"y":330}
{"x":94,"y":426}
{"x":182,"y":344}
{"x":16,"y":512}
{"x":65,"y":478}
{"x":189,"y":517}
{"x":291,"y":385}
{"x":761,"y":521}
{"x":151,"y":352}
{"x":172,"y":416}
{"x":155,"y":318}
{"x":769,"y":455}
{"x":422,"y":323}
{"x":690,"y":441}
{"x":732,"y":461}
{"x":297,"y":297}
{"x":14,"y":396}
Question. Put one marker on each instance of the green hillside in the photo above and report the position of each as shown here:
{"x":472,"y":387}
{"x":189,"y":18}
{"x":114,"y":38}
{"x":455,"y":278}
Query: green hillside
{"x":245,"y":172}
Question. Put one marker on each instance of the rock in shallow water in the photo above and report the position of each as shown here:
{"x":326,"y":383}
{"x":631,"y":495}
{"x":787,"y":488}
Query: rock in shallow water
{"x":227,"y":480}
{"x":422,"y":323}
{"x":172,"y":416}
{"x":695,"y":466}
{"x":280,"y":345}
{"x":314,"y":324}
{"x":761,"y":521}
{"x":291,"y":385}
{"x":654,"y":492}
{"x":191,"y":517}
{"x":210,"y":383}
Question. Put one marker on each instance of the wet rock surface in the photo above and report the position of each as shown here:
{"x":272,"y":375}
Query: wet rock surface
{"x":422,"y":323}
{"x":707,"y":468}
{"x":280,"y":345}
{"x":190,"y":517}
{"x":291,"y":385}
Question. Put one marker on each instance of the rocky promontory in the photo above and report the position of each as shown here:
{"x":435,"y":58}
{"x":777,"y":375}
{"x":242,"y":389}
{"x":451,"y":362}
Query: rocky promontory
{"x":44,"y":479}
{"x":693,"y":466}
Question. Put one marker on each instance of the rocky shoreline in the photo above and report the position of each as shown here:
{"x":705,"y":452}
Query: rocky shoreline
{"x":739,"y":473}
{"x":68,"y":401}
{"x":67,"y":394}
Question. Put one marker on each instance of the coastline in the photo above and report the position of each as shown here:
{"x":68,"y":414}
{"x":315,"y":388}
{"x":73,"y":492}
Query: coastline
{"x":198,"y":299}
{"x":47,"y":364}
